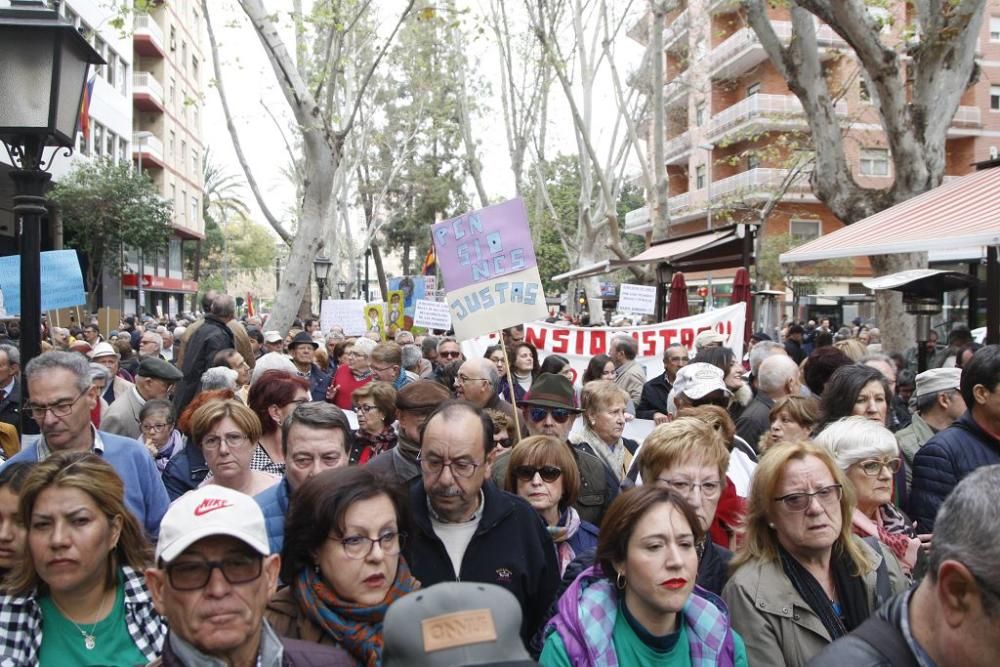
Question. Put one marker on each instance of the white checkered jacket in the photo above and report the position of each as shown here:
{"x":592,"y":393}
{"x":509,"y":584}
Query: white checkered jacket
{"x":21,"y":623}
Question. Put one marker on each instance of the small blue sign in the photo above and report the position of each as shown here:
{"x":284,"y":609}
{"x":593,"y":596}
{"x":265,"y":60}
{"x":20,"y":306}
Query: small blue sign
{"x":62,"y":281}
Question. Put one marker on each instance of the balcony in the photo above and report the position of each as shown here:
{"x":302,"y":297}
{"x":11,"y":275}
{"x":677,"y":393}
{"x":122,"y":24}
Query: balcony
{"x":742,"y":51}
{"x":675,"y":91}
{"x":147,"y":37}
{"x":147,"y":150}
{"x":677,"y":149}
{"x":675,"y":34}
{"x":967,"y":122}
{"x":762,"y":112}
{"x":147,"y":92}
{"x":761,"y":183}
{"x":638,"y":221}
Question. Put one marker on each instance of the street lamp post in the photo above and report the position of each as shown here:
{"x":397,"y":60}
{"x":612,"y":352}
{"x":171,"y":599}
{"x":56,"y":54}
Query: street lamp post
{"x":342,"y":288}
{"x":43,"y":67}
{"x":321,"y":269}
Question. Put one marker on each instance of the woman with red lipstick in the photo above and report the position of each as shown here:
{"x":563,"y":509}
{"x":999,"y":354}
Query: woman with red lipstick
{"x":800,"y":578}
{"x":79,"y":597}
{"x":341,"y":559}
{"x":638,"y":605}
{"x":12,"y":531}
{"x":542,"y":470}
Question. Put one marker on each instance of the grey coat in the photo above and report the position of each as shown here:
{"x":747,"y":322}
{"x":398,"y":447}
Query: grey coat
{"x":122,"y":416}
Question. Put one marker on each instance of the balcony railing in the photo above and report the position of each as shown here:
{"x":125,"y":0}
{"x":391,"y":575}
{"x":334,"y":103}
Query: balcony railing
{"x":777,"y":108}
{"x":968,"y":117}
{"x":677,"y":29}
{"x":677,"y":88}
{"x":144,"y":23}
{"x":677,"y":146}
{"x":145,"y":82}
{"x":762,"y":180}
{"x":148,"y":144}
{"x":745,"y":40}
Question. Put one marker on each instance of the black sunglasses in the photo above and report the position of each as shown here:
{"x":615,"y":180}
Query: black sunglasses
{"x":547,"y":473}
{"x":537,"y":414}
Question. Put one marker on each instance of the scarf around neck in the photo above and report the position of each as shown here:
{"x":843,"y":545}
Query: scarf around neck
{"x":375,"y":443}
{"x":614,"y":458}
{"x":892,"y":530}
{"x":356,"y":628}
{"x":850,"y":589}
{"x":562,"y":532}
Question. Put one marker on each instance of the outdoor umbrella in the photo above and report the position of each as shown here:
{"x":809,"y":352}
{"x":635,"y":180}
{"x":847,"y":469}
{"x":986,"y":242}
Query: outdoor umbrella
{"x":678,"y":305}
{"x":741,"y":294}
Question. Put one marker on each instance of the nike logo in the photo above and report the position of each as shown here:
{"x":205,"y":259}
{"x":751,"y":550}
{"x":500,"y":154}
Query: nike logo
{"x":210,"y":505}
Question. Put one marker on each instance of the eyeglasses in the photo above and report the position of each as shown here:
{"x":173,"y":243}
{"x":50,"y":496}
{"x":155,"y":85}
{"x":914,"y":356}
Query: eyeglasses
{"x":710,"y":489}
{"x":233,"y":441}
{"x":352,"y":353}
{"x":547,"y":473}
{"x":560,"y":415}
{"x":381,"y":370}
{"x":464,"y":469}
{"x":798,"y":502}
{"x":60,"y":409}
{"x":193,"y":575}
{"x":873,"y":467}
{"x":154,"y":428}
{"x":364,"y":409}
{"x":450,"y":355}
{"x":359,"y":546}
{"x":466,"y":380}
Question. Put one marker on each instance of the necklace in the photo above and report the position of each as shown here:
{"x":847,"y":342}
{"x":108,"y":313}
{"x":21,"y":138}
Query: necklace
{"x":89,"y":640}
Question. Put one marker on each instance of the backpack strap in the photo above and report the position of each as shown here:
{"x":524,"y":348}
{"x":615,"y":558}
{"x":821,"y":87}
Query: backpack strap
{"x":886,"y":640}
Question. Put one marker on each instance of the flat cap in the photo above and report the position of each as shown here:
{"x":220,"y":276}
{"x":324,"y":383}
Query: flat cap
{"x":936,"y":380}
{"x":154,"y":367}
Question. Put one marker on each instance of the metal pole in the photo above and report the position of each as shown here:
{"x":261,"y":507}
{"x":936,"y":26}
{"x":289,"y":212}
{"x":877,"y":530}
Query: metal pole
{"x":140,"y":293}
{"x":368,"y":254}
{"x":992,"y":302}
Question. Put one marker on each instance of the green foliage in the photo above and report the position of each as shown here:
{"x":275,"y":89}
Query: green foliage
{"x":562,"y":184}
{"x":106,"y":207}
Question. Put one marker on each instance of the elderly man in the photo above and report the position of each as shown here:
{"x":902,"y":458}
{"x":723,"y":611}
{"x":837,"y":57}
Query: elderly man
{"x":629,"y":375}
{"x":448,"y":352}
{"x":939,"y":404}
{"x":167,"y":349}
{"x":154,"y":379}
{"x":465,"y":528}
{"x":92,"y":334}
{"x":273,"y":342}
{"x":778,"y":376}
{"x":951,"y":618}
{"x":971,"y":442}
{"x":10,"y":386}
{"x":653,"y":402}
{"x":303,"y":350}
{"x":413,"y":403}
{"x":213,"y":335}
{"x":62,"y":397}
{"x":105,"y":355}
{"x":404,"y":338}
{"x":213,"y":578}
{"x":150,"y":346}
{"x":549,"y":408}
{"x":387,"y":365}
{"x":313,"y":438}
{"x":476,"y":381}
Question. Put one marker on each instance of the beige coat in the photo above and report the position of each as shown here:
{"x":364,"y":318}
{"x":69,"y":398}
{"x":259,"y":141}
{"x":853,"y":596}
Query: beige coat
{"x":776,"y":624}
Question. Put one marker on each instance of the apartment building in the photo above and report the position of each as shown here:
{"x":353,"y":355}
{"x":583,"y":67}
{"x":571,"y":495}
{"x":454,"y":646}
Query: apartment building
{"x":167,"y":144}
{"x":734,"y":129}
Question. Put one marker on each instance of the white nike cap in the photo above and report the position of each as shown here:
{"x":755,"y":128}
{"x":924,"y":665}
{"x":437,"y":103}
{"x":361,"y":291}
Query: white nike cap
{"x":209,"y":511}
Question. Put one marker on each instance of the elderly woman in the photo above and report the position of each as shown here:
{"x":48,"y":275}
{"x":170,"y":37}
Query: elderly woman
{"x":375,"y":406}
{"x":274,"y":396}
{"x":12,"y":529}
{"x":524,"y":369}
{"x":868,"y":454}
{"x":353,"y":374}
{"x":164,"y":442}
{"x":543,"y":471}
{"x":792,"y":419}
{"x":341,"y":558}
{"x":800,"y":578}
{"x":689,"y":456}
{"x":638,"y":604}
{"x":78,"y":597}
{"x":225,"y":432}
{"x":505,"y":434}
{"x":603,"y":423}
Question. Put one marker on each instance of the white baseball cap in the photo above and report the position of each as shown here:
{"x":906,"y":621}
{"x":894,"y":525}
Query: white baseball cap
{"x":708,"y":337}
{"x":273,"y":337}
{"x":699,"y":379}
{"x":209,"y":511}
{"x":103,"y":349}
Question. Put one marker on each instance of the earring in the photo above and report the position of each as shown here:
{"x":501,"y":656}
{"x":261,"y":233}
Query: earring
{"x":771,"y":525}
{"x":620,"y":581}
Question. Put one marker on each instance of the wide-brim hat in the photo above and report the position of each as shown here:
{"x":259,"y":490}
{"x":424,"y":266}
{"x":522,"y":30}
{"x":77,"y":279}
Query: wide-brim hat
{"x":303,"y":338}
{"x":550,"y":390}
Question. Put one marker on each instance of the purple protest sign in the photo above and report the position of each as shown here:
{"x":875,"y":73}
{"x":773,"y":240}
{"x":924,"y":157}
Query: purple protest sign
{"x":484,"y":245}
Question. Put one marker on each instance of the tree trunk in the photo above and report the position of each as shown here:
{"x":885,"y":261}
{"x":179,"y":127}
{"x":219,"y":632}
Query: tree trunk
{"x":659,"y":216}
{"x":899,"y":331}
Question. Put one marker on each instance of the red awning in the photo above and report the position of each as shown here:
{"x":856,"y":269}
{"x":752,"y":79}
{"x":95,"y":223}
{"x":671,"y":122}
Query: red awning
{"x":960,"y":214}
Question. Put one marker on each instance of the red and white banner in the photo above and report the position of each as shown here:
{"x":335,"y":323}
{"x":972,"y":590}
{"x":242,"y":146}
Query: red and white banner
{"x":580,"y":344}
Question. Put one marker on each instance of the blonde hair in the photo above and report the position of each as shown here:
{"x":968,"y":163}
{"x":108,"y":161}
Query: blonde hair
{"x":598,"y":394}
{"x":852,"y":347}
{"x":208,"y":415}
{"x":758,"y":541}
{"x":677,"y":442}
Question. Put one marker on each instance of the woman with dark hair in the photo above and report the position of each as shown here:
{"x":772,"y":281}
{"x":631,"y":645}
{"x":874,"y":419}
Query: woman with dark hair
{"x":164,"y":442}
{"x":341,"y":558}
{"x":495,"y":354}
{"x":523,"y":371}
{"x":638,"y":605}
{"x":558,"y":365}
{"x":274,"y":396}
{"x":855,"y":390}
{"x":600,"y":367}
{"x":12,"y":529}
{"x":820,"y":365}
{"x":79,"y":597}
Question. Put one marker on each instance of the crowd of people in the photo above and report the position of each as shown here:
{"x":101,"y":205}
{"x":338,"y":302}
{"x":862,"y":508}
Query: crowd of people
{"x":207,"y":491}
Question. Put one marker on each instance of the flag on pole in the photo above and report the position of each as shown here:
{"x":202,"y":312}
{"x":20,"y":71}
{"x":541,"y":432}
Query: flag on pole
{"x":250,"y":309}
{"x":430,"y":262}
{"x":88,"y":91}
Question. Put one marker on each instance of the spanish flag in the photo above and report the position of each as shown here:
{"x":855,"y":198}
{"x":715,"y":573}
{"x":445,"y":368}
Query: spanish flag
{"x":250,"y":309}
{"x":88,"y":91}
{"x":430,"y":262}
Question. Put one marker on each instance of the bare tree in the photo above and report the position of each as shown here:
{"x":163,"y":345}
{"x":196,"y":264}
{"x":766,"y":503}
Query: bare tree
{"x":915,"y":107}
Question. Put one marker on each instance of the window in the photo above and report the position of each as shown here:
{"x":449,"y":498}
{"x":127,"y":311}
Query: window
{"x":994,"y":98}
{"x":753,"y":161}
{"x":122,"y":151}
{"x":194,"y":68}
{"x":172,"y":146}
{"x":753,"y":89}
{"x":699,"y":177}
{"x":699,"y":115}
{"x":183,"y":207}
{"x":98,"y":131}
{"x":102,"y":49}
{"x":195,"y":165}
{"x":875,"y":161}
{"x":194,"y":211}
{"x":804,"y":230}
{"x":173,"y":38}
{"x":184,"y":154}
{"x":173,"y":91}
{"x":112,"y":67}
{"x":184,"y":56}
{"x":122,"y":83}
{"x":109,"y":144}
{"x":995,"y":28}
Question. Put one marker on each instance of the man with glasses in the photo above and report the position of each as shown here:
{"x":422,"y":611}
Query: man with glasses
{"x":465,"y":528}
{"x":476,"y":382}
{"x":155,"y":378}
{"x":213,"y":578}
{"x":653,"y":401}
{"x":549,"y":408}
{"x":62,"y":397}
{"x":387,"y":365}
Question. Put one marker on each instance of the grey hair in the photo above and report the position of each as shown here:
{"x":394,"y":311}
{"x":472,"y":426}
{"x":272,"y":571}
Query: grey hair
{"x":219,"y":377}
{"x":411,"y":356}
{"x":73,"y":362}
{"x":488,"y":369}
{"x":966,"y":530}
{"x":272,"y":361}
{"x":853,"y":439}
{"x":761,"y":351}
{"x":224,"y":306}
{"x":428,"y":345}
{"x":775,"y":371}
{"x":13,"y":354}
{"x":626,"y":344}
{"x":157,"y":337}
{"x":99,"y":372}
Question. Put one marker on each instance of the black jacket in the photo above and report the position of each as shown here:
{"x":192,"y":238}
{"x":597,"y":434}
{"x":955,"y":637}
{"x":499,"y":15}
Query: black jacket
{"x":211,"y":337}
{"x":10,"y":407}
{"x":943,"y":462}
{"x":511,"y":548}
{"x":654,"y":397}
{"x":755,"y":420}
{"x":892,"y":648}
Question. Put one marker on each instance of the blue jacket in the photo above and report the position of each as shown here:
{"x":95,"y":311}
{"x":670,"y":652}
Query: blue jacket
{"x":942,"y":463}
{"x":185,"y":472}
{"x":145,"y":495}
{"x":319,"y":382}
{"x":273,"y":502}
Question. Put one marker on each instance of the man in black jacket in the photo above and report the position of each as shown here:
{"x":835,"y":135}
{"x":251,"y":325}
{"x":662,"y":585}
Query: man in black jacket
{"x":653,"y":402}
{"x":952,"y":619}
{"x":465,"y":528}
{"x":10,"y":386}
{"x":212,"y":336}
